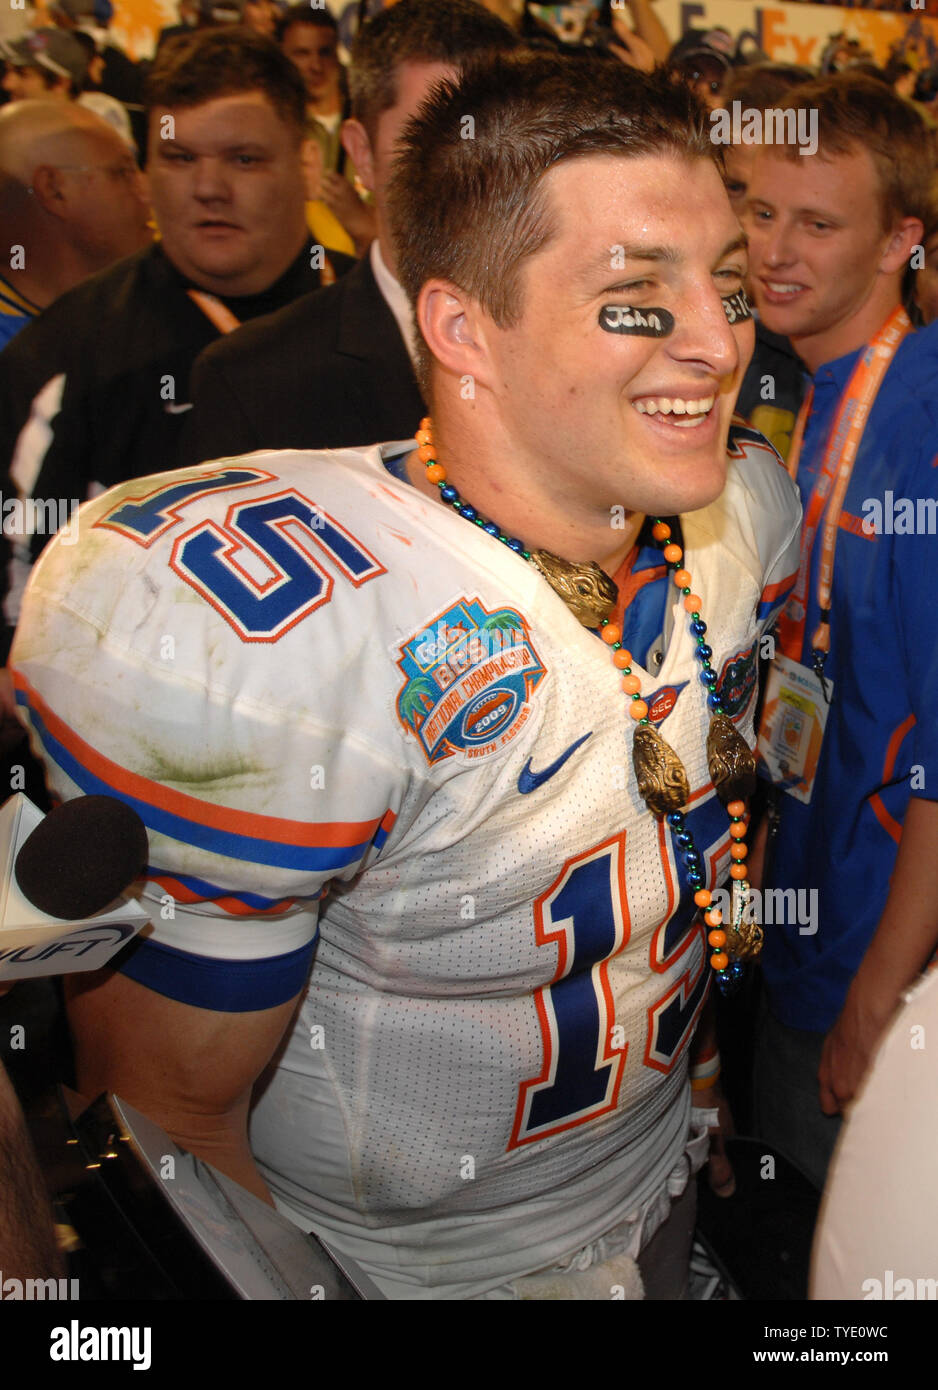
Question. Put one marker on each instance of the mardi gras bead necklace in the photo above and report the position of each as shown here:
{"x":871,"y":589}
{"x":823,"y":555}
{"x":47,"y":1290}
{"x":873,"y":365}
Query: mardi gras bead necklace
{"x":662,"y":779}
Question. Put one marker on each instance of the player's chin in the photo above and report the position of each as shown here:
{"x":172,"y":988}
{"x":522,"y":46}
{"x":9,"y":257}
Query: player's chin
{"x":693,"y":483}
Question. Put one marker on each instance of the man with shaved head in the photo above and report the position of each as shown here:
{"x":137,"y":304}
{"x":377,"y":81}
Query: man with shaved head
{"x":72,"y":202}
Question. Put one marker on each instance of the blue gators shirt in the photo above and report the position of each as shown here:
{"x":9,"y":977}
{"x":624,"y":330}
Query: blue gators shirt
{"x":881,"y":742}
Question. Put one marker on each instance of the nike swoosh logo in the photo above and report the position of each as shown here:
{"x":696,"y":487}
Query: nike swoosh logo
{"x":178,"y":409}
{"x":529,"y":781}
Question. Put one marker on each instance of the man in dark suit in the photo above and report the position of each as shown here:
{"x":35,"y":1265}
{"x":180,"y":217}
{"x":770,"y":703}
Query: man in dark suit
{"x":329,"y":371}
{"x":335,"y":368}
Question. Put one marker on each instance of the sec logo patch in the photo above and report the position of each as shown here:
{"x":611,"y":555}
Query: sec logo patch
{"x":469,"y":677}
{"x":662,"y":702}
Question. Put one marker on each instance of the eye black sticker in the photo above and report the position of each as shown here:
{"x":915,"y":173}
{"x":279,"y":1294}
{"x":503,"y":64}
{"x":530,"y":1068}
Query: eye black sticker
{"x":642,"y":323}
{"x":736,"y":307}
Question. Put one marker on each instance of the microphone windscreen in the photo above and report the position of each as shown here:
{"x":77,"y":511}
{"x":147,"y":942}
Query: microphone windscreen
{"x":82,"y":856}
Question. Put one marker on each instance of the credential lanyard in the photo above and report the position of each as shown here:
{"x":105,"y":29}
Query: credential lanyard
{"x":217,"y":313}
{"x":830,"y":490}
{"x":221,"y":316}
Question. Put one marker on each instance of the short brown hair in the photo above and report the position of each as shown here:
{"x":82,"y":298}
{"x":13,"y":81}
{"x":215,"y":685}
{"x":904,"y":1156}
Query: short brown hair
{"x":417,"y":31}
{"x":191,"y":69}
{"x":302,"y":14}
{"x":466,"y":203}
{"x":858,"y":112}
{"x":761,"y":85}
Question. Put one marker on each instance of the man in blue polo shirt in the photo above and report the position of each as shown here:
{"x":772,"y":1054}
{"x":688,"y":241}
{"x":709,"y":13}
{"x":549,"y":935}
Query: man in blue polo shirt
{"x":849,"y":731}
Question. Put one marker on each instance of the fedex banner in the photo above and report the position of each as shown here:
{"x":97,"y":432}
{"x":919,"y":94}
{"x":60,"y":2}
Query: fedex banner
{"x":792,"y":33}
{"x":799,"y":33}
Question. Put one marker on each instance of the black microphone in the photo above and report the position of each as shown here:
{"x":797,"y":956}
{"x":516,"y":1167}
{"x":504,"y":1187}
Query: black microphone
{"x":82,"y":856}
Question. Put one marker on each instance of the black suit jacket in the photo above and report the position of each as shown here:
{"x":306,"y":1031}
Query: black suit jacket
{"x":330,"y":371}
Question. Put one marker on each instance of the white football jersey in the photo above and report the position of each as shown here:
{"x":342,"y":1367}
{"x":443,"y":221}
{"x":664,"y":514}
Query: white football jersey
{"x":325,"y":692}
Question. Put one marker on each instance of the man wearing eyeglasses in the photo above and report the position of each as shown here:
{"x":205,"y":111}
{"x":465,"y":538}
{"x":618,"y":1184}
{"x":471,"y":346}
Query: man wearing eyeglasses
{"x":71,"y":198}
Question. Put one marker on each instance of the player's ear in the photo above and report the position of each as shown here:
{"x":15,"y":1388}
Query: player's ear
{"x":907,"y":233}
{"x":454,"y":327}
{"x":48,"y":188}
{"x":357,"y":146}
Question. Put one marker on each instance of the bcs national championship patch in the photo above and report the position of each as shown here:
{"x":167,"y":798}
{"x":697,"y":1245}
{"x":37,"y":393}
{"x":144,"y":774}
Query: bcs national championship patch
{"x":470,"y":675}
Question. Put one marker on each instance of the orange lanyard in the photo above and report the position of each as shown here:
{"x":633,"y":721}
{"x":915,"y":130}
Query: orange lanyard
{"x":221,"y":316}
{"x":830,"y":490}
{"x":217,"y":313}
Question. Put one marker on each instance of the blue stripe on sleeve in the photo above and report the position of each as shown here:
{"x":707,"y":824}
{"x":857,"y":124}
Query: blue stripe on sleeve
{"x":252,"y":849}
{"x":225,"y":986}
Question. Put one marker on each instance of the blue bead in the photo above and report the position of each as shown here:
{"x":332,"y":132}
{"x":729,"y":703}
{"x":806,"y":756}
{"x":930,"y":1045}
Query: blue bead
{"x":728,"y":980}
{"x":685,"y":840}
{"x":490,"y":529}
{"x":695,"y":880}
{"x":516,"y":546}
{"x":676,"y":818}
{"x":708,"y":677}
{"x":692,"y":858}
{"x":449,"y":493}
{"x":715,"y":702}
{"x":468,"y":512}
{"x":698,"y":627}
{"x":703,"y":652}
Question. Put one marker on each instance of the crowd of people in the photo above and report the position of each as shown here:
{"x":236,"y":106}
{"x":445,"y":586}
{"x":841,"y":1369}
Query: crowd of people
{"x":566,"y":293}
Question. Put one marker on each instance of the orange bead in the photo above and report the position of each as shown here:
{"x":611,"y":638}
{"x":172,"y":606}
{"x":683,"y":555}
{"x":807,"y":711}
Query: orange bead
{"x":717,"y":939}
{"x":423,"y":437}
{"x":720,"y":961}
{"x":682,"y":579}
{"x":631,"y":685}
{"x":622,"y":658}
{"x":426,"y":423}
{"x":436,"y":473}
{"x":672,"y":553}
{"x":738,"y":830}
{"x":703,"y":897}
{"x":426,"y":453}
{"x":736,"y":808}
{"x":612,"y":633}
{"x":738,"y":871}
{"x":693,"y":603}
{"x":661,"y":530}
{"x":638,"y":709}
{"x":714,"y":917}
{"x":739,"y":850}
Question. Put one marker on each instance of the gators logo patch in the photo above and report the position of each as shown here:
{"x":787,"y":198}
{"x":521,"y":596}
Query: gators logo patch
{"x":737,"y":681}
{"x":469,"y":678}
